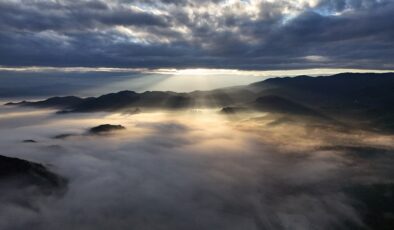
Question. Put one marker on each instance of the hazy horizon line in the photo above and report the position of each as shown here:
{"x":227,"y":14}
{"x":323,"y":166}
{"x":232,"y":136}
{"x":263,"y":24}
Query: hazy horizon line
{"x":192,"y":71}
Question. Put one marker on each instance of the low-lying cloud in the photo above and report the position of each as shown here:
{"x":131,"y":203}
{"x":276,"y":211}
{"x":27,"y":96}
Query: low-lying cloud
{"x":194,"y":170}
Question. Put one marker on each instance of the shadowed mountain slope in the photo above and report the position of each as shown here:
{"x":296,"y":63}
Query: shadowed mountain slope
{"x":357,"y":89}
{"x":24,"y":173}
{"x":352,"y":97}
{"x":273,"y":103}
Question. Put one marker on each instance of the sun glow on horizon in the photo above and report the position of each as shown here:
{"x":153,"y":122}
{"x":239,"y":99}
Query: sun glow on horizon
{"x":142,"y":79}
{"x":194,"y":71}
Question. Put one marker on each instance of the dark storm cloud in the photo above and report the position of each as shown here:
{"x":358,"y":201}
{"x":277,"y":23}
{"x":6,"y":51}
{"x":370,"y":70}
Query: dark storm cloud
{"x":71,"y":16}
{"x":255,"y":34}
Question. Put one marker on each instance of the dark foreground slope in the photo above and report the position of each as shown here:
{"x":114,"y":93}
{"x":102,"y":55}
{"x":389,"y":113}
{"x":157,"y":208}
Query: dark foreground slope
{"x":24,"y":183}
{"x":21,"y":173}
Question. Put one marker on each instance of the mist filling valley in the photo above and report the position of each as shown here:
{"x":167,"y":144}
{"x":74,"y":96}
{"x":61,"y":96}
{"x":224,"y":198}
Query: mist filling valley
{"x":255,"y":159}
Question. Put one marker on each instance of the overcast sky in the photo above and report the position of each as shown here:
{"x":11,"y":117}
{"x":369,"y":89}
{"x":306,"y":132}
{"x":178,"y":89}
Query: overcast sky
{"x":243,"y":34}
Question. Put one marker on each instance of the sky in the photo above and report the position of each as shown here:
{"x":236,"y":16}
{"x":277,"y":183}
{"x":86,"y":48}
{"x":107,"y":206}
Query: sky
{"x":186,"y":34}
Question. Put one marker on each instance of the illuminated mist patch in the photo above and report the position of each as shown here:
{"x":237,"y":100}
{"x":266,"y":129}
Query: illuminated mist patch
{"x":195,"y":169}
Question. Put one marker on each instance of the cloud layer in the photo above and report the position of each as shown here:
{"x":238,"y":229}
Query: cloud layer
{"x":173,"y":171}
{"x":248,"y":34}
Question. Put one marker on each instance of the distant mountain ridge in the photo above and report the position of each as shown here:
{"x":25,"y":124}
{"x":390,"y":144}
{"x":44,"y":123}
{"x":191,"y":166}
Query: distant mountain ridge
{"x":366,"y":97}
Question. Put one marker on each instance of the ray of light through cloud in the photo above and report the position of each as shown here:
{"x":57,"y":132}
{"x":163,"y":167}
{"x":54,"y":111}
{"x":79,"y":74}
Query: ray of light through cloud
{"x":196,"y":114}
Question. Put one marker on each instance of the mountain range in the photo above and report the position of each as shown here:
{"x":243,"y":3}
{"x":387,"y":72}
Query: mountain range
{"x":360,"y":98}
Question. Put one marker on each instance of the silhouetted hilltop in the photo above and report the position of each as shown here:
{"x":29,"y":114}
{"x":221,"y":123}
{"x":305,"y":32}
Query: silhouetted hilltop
{"x":25,"y":173}
{"x":233,"y":110}
{"x":29,"y":141}
{"x":339,"y":82}
{"x":113,"y":101}
{"x":125,"y":100}
{"x":107,"y":102}
{"x":97,"y":130}
{"x":56,"y":102}
{"x":106,"y":128}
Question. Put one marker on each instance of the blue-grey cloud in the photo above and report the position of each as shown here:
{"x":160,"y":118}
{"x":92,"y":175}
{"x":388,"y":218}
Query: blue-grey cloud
{"x":254,"y":34}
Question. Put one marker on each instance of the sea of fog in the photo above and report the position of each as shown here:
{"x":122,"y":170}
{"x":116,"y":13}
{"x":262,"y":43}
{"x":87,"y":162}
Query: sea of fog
{"x":193,"y":169}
